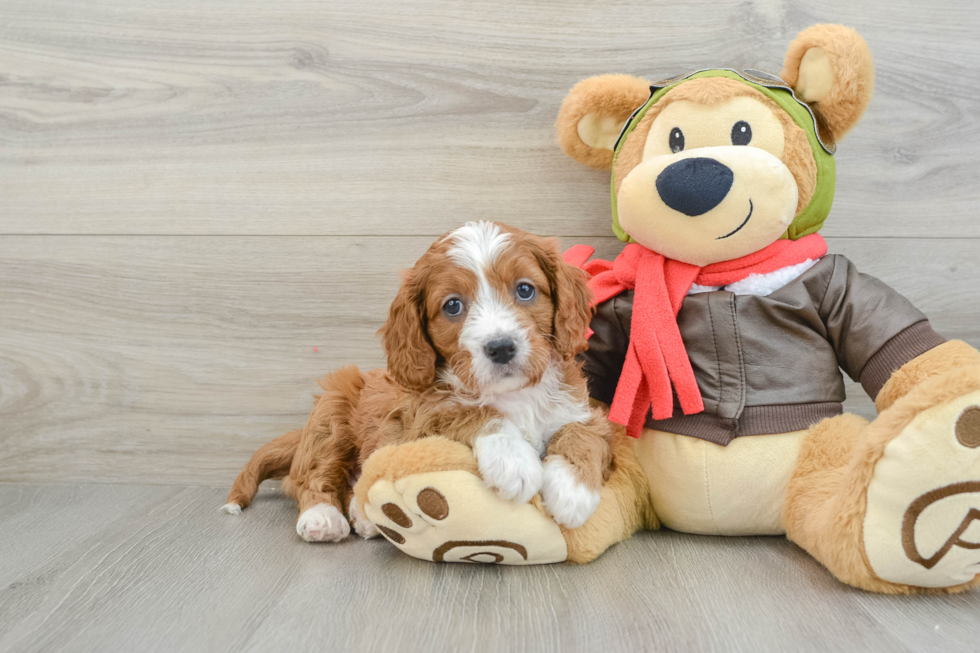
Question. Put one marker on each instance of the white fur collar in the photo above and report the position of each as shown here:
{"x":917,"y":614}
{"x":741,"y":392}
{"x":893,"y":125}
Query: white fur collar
{"x":538,"y":411}
{"x":760,"y":284}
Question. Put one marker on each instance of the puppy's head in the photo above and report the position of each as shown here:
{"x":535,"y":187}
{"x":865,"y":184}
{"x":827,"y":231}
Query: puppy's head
{"x":486,"y":308}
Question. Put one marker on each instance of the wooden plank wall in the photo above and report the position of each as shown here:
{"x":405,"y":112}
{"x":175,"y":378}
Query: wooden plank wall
{"x":194,"y":194}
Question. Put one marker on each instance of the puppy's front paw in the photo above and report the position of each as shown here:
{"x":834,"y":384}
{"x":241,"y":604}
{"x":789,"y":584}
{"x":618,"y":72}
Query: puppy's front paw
{"x":322,"y":523}
{"x":509,"y":465}
{"x":566,"y":498}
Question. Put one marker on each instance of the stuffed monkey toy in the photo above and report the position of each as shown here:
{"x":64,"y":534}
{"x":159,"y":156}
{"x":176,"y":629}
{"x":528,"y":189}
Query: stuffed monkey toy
{"x":718,"y":342}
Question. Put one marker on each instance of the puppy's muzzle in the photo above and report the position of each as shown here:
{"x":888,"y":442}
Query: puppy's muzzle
{"x":500,"y":350}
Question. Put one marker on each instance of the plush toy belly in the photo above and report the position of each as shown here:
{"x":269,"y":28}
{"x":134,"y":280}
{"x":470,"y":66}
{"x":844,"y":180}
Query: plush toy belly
{"x":701,"y":487}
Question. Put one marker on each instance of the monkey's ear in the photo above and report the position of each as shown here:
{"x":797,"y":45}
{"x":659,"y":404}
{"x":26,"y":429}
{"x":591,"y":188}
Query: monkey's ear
{"x":594,"y":112}
{"x":830,"y":67}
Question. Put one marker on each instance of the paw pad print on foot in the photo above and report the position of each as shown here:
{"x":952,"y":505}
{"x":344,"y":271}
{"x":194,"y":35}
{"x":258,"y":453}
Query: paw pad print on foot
{"x":922,"y":525}
{"x":430,"y":502}
{"x":968,"y":427}
{"x":453,"y":516}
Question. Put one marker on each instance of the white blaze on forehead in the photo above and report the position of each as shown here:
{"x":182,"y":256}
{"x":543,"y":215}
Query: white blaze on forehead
{"x":476,"y":245}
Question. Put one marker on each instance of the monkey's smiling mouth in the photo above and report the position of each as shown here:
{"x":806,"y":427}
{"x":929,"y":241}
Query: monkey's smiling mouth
{"x":739,"y":227}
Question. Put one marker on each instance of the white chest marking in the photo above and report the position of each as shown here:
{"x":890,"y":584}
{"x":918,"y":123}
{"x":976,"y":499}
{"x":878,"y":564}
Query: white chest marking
{"x":540,"y":411}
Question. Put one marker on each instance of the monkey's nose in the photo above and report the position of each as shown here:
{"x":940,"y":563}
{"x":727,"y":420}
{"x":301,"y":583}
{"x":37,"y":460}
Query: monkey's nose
{"x":694,"y":186}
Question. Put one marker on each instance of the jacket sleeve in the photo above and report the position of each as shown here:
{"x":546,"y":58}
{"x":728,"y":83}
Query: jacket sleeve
{"x":603,"y":361}
{"x":874,"y":330}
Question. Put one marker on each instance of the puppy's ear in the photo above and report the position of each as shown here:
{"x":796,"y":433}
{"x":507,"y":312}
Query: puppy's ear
{"x":570,"y":295}
{"x":411,"y":359}
{"x":594,"y":112}
{"x":830,"y":67}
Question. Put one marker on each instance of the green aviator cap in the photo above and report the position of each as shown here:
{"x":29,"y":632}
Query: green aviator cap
{"x":811,"y":218}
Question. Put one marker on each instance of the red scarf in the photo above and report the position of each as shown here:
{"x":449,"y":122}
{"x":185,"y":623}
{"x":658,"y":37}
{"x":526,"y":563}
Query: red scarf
{"x":656,"y":358}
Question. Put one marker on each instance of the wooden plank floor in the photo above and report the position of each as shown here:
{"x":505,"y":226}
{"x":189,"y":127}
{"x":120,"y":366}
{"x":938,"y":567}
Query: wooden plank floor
{"x":150,"y":568}
{"x":195,"y":194}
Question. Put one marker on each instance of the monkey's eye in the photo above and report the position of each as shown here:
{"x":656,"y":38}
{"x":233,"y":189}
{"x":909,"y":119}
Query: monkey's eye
{"x":676,"y":140}
{"x":741,"y":133}
{"x":525,"y":291}
{"x":453,"y":307}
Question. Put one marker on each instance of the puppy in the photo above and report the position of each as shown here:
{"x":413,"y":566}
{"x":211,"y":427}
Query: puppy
{"x":481,"y":343}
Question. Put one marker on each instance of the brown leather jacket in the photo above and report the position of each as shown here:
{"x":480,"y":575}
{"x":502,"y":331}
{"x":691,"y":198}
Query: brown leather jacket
{"x":772,"y":364}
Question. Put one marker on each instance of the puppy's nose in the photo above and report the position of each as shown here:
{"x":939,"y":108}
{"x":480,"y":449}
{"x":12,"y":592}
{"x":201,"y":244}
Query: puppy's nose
{"x":501,"y":351}
{"x":694,"y":186}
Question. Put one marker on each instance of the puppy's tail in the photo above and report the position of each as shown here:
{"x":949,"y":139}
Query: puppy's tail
{"x":270,"y":461}
{"x":274,"y":459}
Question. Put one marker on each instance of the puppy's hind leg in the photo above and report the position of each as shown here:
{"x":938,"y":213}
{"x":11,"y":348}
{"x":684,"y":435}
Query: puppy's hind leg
{"x":321,"y":487}
{"x":320,"y":519}
{"x":320,"y":476}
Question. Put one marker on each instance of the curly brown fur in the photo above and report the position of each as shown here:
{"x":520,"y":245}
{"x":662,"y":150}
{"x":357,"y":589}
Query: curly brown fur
{"x":431,"y":387}
{"x":411,"y":360}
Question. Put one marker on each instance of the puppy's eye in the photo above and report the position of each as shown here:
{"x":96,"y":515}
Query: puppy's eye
{"x":453,"y":308}
{"x":741,"y":133}
{"x":525,"y":291}
{"x":676,"y":140}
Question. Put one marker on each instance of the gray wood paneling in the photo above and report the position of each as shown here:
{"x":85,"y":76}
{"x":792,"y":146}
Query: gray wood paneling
{"x":404,"y":117}
{"x":170,"y":359}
